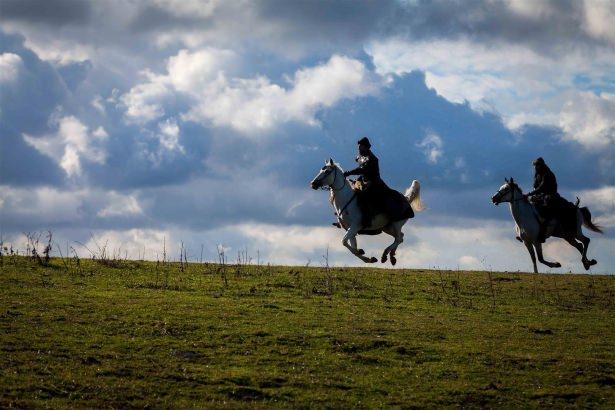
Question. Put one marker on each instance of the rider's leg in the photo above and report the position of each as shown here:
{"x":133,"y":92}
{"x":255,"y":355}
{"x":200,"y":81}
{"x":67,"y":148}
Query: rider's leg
{"x":363,"y":200}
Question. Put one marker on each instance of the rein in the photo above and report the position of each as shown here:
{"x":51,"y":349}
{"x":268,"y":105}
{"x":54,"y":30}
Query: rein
{"x":512,"y":195}
{"x":340,"y":213}
{"x":332,"y":188}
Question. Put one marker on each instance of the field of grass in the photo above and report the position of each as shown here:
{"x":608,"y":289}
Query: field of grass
{"x":86,"y":333}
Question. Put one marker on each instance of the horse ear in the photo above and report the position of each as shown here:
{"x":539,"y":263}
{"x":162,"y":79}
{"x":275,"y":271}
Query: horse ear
{"x":506,"y":179}
{"x":511,"y":180}
{"x":330,"y":161}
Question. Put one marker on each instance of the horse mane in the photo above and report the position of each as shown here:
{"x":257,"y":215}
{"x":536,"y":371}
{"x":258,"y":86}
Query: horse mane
{"x":339,"y":168}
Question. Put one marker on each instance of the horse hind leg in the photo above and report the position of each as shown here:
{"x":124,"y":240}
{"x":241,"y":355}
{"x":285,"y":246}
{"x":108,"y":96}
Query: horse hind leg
{"x":390,"y":231}
{"x":538,"y":247}
{"x":585,"y":241}
{"x":399,"y":238}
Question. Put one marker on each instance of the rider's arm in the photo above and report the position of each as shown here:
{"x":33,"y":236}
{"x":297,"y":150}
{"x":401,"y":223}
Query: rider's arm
{"x":357,"y":171}
{"x":538,"y":189}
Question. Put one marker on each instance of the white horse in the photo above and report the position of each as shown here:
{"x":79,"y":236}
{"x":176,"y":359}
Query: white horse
{"x":528,"y":225}
{"x":343,"y":198}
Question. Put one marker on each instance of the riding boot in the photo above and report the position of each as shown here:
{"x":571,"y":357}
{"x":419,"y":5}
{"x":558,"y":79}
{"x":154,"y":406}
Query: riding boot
{"x":366,"y":214}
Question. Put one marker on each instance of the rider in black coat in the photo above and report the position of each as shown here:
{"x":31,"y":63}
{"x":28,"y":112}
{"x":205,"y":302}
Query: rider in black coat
{"x":374,"y":189}
{"x":544,"y":196}
{"x":545,"y":183}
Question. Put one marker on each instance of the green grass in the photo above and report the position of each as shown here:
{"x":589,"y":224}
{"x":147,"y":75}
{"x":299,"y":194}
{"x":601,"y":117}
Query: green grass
{"x":141,"y":334}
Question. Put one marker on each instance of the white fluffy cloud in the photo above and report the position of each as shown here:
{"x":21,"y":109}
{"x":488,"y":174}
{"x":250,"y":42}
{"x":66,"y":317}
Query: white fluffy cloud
{"x":169,"y":135}
{"x":514,"y":80}
{"x":70,"y":144}
{"x":601,"y":203}
{"x":599,"y":18}
{"x":589,"y":118}
{"x":248,"y":105}
{"x":120,"y":205}
{"x":432,"y":145}
{"x":144,"y":102}
{"x":47,"y":206}
{"x":10,"y":65}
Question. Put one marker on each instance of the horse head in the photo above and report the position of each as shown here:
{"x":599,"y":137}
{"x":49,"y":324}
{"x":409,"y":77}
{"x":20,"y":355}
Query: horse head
{"x":327,"y":176}
{"x":507,"y":192}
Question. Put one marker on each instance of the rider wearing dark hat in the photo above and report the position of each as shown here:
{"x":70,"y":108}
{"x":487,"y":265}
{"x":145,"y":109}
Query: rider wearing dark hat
{"x":369,"y":175}
{"x":544,"y":196}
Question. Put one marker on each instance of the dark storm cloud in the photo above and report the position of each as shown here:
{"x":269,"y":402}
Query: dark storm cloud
{"x":221,"y":177}
{"x":560,"y":22}
{"x":26,"y":105}
{"x":46,"y":12}
{"x":153,"y":18}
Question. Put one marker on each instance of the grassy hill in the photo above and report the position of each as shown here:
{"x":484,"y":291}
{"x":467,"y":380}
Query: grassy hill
{"x":89,"y":333}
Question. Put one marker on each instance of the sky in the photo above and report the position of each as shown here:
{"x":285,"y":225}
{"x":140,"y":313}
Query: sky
{"x":143,"y":124}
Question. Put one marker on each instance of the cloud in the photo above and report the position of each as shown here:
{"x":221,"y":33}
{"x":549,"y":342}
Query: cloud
{"x":70,"y":144}
{"x":599,"y":17}
{"x":10,"y":65}
{"x":54,"y":208}
{"x":120,"y":205}
{"x":511,"y":79}
{"x":54,"y":12}
{"x":589,"y":119}
{"x":248,"y":105}
{"x":470,"y":262}
{"x":144,"y":102}
{"x":169,"y":135}
{"x":432,"y":147}
{"x":601,"y":203}
{"x":303,"y":80}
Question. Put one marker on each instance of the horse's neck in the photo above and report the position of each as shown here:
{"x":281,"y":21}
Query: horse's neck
{"x":342,"y":196}
{"x":521,"y":210}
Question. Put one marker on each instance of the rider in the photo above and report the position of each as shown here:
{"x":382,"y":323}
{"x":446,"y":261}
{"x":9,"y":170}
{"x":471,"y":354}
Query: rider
{"x":544,"y":196}
{"x":370,"y":197}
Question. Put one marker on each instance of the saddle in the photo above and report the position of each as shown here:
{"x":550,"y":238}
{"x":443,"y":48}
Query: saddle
{"x":381,"y":199}
{"x":554,"y":210}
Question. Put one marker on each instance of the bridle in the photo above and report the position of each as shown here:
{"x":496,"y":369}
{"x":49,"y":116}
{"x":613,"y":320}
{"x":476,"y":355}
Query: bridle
{"x":512,"y":194}
{"x":332,"y":186}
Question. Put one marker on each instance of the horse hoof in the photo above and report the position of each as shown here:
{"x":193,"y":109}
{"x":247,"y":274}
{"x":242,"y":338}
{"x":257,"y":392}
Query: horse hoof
{"x":557,"y":265}
{"x":373,"y":260}
{"x":383,"y":259}
{"x":593,"y":262}
{"x":393,"y":260}
{"x":361,"y":252}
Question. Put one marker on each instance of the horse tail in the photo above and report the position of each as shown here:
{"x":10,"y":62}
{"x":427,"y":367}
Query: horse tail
{"x":587,"y":220}
{"x":413,"y":195}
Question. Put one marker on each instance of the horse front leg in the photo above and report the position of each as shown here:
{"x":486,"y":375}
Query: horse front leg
{"x":538,"y":247}
{"x":530,"y":249}
{"x":350,"y":239}
{"x":353,"y":243}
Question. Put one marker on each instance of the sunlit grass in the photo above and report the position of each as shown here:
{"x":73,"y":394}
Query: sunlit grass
{"x":92,"y":334}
